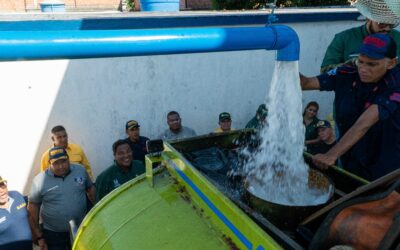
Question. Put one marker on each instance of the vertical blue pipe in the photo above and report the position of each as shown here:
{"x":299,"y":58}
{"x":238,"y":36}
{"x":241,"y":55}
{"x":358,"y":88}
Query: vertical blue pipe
{"x":33,"y":45}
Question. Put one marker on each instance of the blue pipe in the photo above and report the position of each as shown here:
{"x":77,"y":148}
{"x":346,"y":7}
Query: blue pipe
{"x":20,"y":45}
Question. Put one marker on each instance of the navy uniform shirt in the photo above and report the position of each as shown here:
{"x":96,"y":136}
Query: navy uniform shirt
{"x":138,"y":148}
{"x":320,"y":148}
{"x":378,"y":152}
{"x":15,"y":232}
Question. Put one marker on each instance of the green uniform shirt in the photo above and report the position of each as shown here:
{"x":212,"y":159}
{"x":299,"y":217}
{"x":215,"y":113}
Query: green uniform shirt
{"x":113,"y":177}
{"x":254,"y":123}
{"x":347,"y":43}
{"x":311,"y":130}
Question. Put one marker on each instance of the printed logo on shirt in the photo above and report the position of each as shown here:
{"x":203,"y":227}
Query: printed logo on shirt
{"x":78,"y":180}
{"x":331,"y":72}
{"x":116,"y":183}
{"x":3,"y":219}
{"x":21,"y":206}
{"x":52,"y":188}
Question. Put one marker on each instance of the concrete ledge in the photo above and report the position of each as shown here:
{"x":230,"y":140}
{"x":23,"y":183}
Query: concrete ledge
{"x":141,"y":20}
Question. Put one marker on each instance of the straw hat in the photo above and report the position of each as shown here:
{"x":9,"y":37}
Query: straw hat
{"x":377,"y":10}
{"x":394,"y":5}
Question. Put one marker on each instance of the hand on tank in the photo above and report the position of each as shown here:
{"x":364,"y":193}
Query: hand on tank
{"x":324,"y":161}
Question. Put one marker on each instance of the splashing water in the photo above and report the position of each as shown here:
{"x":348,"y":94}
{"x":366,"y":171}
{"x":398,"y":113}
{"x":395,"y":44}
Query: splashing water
{"x":277,"y":171}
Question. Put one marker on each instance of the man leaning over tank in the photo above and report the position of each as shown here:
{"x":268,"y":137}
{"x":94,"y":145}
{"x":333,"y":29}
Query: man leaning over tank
{"x":379,"y":19}
{"x":57,"y":196}
{"x":367,"y":104}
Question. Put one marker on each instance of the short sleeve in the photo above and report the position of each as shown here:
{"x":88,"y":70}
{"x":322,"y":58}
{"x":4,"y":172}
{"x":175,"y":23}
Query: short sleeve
{"x":327,"y":81}
{"x":35,"y":195}
{"x":89,"y":182}
{"x":388,"y":104}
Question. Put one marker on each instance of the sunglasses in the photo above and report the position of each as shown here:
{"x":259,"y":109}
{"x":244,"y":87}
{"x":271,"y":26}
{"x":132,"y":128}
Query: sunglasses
{"x":382,"y":25}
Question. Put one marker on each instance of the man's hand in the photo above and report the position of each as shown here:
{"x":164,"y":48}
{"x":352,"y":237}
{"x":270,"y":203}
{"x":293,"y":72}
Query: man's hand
{"x":42,"y":244}
{"x":309,"y":83}
{"x":324,"y":161}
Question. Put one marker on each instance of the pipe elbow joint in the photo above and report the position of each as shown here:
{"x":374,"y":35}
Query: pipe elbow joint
{"x":287,"y":43}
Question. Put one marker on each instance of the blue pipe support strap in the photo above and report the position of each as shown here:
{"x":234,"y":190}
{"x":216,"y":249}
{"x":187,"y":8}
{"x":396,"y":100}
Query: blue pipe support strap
{"x":75,"y":44}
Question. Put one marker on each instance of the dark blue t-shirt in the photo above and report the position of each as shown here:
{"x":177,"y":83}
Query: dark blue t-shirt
{"x":138,"y":148}
{"x":15,"y":232}
{"x":378,"y":152}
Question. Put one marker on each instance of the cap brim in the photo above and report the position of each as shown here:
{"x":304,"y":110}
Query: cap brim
{"x":377,"y":11}
{"x":394,"y":5}
{"x":371,"y":55}
{"x":131,"y":127}
{"x":59,"y":158}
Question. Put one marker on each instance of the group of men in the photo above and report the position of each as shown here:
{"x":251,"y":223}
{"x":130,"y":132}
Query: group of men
{"x":64,"y":189}
{"x":367,"y":114}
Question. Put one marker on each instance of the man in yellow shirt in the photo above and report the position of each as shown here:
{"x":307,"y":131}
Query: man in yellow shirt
{"x":75,"y":153}
{"x":225,"y":122}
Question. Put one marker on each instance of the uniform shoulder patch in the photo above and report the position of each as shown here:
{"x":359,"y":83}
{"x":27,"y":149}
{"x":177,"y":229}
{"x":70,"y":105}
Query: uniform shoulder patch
{"x":332,"y":72}
{"x":22,"y":205}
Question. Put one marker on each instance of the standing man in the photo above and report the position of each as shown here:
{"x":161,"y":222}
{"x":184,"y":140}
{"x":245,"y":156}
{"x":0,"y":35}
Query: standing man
{"x":75,"y":153}
{"x":15,"y":232}
{"x":123,"y":170}
{"x":379,"y":19}
{"x":367,"y":104}
{"x":259,"y":120}
{"x":176,"y":130}
{"x":224,"y":122}
{"x":58,"y":195}
{"x":135,"y":141}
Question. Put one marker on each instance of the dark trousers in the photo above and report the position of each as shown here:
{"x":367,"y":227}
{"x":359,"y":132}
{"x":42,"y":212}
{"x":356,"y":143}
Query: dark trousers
{"x":57,"y":240}
{"x":20,"y":245}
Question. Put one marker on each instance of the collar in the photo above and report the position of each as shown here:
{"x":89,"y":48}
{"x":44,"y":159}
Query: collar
{"x":68,"y":147}
{"x":177,"y":132}
{"x":364,"y":30}
{"x":10,"y":202}
{"x":50,"y":173}
{"x":120,"y":169}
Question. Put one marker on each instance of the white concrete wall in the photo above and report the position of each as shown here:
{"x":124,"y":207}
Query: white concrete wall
{"x":94,"y":98}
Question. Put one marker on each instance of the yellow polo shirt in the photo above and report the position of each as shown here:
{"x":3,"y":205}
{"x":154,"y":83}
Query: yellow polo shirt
{"x":219,"y":130}
{"x":75,"y":154}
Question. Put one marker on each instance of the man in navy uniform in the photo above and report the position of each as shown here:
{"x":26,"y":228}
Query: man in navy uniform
{"x":135,"y":140}
{"x":367,"y":105}
{"x":15,"y":232}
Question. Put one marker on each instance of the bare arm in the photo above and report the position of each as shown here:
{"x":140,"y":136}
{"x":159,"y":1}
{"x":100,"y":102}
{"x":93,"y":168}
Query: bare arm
{"x":86,"y":164}
{"x":309,"y":83}
{"x":33,"y":213}
{"x":91,"y":193}
{"x":352,"y":136}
